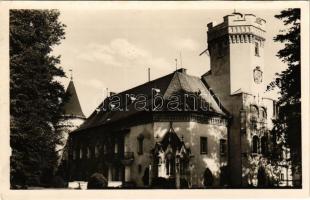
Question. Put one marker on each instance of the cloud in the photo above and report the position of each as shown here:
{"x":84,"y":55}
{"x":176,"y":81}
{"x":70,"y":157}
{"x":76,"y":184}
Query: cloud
{"x":93,"y":83}
{"x":185,"y":44}
{"x":121,"y":53}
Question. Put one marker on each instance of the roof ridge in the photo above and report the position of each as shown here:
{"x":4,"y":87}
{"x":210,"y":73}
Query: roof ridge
{"x":146,"y":83}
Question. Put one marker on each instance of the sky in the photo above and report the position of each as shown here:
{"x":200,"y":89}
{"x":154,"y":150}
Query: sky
{"x":113,"y":49}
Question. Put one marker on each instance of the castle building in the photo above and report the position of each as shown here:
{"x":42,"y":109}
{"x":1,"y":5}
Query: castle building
{"x":140,"y":145}
{"x":209,"y":131}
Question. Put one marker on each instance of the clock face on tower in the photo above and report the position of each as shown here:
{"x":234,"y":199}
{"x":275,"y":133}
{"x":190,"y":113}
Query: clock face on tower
{"x":258,"y":75}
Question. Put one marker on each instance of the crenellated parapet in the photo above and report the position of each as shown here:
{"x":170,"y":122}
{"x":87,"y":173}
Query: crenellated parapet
{"x":238,"y":28}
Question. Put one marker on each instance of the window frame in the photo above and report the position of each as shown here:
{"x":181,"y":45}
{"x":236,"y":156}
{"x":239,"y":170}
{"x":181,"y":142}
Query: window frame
{"x":264,"y":145}
{"x":255,"y":146}
{"x":256,"y":46}
{"x":223,"y":143}
{"x":204,"y":145}
{"x":140,"y":145}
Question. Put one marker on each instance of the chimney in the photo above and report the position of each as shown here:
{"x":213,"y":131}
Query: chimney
{"x":149,"y":74}
{"x":182,"y":70}
{"x":210,"y":25}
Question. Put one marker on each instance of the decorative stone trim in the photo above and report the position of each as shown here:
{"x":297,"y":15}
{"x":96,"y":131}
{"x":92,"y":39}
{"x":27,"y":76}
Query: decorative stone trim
{"x":245,"y":38}
{"x":191,"y":117}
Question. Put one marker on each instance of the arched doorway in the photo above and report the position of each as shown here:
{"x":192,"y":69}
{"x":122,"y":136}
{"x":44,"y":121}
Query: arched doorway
{"x":207,"y":178}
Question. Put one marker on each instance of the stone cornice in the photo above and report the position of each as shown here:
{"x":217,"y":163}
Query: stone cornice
{"x":241,"y":30}
{"x":150,"y":117}
{"x":245,"y":38}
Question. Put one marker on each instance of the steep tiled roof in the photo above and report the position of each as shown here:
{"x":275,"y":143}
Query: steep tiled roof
{"x":73,"y":107}
{"x":168,"y":85}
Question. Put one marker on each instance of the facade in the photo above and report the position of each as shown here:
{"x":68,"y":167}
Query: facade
{"x":141,"y":146}
{"x":226,"y":142}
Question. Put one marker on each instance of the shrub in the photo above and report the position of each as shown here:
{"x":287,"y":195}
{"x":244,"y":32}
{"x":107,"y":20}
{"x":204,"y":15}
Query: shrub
{"x":159,"y":183}
{"x":129,"y":185}
{"x":58,"y":182}
{"x":97,"y":181}
{"x":183,"y":183}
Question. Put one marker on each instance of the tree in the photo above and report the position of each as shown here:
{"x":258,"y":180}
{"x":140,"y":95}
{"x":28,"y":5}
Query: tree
{"x":288,"y":124}
{"x":36,"y":97}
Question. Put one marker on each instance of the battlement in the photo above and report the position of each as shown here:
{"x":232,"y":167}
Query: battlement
{"x":247,"y":25}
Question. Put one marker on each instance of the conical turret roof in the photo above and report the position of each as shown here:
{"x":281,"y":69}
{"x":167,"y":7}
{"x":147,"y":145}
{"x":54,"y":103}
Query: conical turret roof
{"x":73,"y":107}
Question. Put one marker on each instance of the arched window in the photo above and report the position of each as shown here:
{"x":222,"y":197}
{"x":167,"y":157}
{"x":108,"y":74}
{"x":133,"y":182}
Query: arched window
{"x":264,"y":145}
{"x":255,"y":144}
{"x":254,"y":116}
{"x":254,"y":111}
{"x":88,"y":153}
{"x":104,"y":149}
{"x":96,"y":150}
{"x":170,"y":160}
{"x":116,"y":147}
{"x":207,"y":178}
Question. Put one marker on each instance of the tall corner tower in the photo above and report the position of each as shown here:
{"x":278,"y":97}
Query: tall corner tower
{"x":73,"y":117}
{"x":236,"y":48}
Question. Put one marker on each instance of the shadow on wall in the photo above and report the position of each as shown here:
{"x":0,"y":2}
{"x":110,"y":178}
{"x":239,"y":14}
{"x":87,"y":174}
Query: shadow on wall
{"x":212,"y":161}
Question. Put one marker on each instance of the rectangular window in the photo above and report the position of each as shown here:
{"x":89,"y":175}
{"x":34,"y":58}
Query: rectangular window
{"x":104,"y":149}
{"x":81,"y":153}
{"x":223,"y":146}
{"x":282,"y":177}
{"x":116,"y":148}
{"x":88,"y":153}
{"x":74,"y":154}
{"x":203,"y":145}
{"x":140,"y":146}
{"x":256,"y":49}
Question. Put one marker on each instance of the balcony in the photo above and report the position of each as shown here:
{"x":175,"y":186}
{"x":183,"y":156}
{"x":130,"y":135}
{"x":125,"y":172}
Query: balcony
{"x":128,"y":158}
